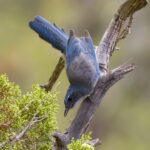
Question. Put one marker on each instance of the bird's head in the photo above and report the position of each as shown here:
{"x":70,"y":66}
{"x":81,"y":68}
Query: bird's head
{"x":75,"y":95}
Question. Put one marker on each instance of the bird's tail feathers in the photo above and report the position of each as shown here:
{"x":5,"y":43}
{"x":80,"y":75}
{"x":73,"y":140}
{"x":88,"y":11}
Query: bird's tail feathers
{"x":50,"y":33}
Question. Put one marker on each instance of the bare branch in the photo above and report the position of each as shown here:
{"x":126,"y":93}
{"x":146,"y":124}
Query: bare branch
{"x":24,"y":108}
{"x":126,"y":30}
{"x":53,"y":78}
{"x":5,"y":142}
{"x":110,"y":38}
{"x":113,"y":34}
{"x":62,"y":140}
{"x":88,"y":107}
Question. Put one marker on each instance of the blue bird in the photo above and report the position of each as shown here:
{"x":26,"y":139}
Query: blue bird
{"x":82,"y":67}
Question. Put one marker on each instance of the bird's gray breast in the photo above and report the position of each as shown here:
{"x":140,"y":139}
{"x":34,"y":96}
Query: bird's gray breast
{"x":82,"y":71}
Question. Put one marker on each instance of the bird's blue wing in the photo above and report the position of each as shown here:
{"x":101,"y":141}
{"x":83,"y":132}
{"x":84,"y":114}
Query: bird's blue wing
{"x":81,"y":64}
{"x":50,"y":33}
{"x":87,"y":43}
{"x":73,"y":48}
{"x":76,"y":45}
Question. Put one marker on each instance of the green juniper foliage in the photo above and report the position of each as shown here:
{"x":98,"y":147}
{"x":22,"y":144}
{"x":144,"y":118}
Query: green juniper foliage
{"x":26,"y":121}
{"x":81,"y":144}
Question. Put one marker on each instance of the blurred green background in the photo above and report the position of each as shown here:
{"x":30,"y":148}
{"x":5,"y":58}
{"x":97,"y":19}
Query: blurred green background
{"x":122,"y":121}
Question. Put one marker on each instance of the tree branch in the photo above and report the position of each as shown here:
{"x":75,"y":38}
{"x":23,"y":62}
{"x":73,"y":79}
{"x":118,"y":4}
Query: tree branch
{"x":53,"y":78}
{"x":113,"y":34}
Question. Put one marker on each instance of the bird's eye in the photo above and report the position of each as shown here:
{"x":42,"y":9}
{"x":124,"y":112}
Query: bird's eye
{"x":69,"y":99}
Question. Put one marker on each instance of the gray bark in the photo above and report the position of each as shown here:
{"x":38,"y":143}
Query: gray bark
{"x":112,"y":35}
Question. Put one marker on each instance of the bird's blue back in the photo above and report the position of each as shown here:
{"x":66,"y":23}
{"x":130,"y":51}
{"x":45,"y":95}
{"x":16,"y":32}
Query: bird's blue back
{"x":81,"y":64}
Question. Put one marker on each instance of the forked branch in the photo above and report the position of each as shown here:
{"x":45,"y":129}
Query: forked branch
{"x":112,"y":35}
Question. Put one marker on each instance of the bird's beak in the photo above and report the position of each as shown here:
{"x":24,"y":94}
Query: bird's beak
{"x":66,"y":112}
